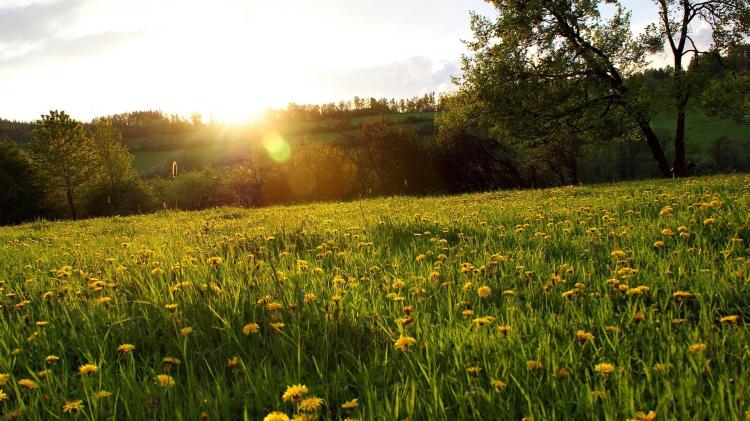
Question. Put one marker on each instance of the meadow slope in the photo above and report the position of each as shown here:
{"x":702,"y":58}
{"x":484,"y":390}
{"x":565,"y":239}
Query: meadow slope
{"x":603,"y":302}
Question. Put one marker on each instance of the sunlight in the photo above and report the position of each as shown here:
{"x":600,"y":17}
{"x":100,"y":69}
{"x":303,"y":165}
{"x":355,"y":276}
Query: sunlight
{"x":276,"y":147}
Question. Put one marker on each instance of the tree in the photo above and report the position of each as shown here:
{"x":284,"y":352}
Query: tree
{"x":21,"y":198}
{"x":63,"y":154}
{"x":552,"y":65}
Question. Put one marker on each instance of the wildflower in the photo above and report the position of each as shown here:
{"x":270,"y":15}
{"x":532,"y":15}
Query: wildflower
{"x":498,"y":385}
{"x":666,"y":211}
{"x":508,"y":293}
{"x":534,"y":365}
{"x":276,"y":416}
{"x":170,"y":361}
{"x":604,"y":368}
{"x":683,"y":295}
{"x":87,"y":369}
{"x":44,"y":373}
{"x":667,"y":232}
{"x":484,"y":291}
{"x":50,"y":359}
{"x":102,"y":394}
{"x":170,"y":307}
{"x":473,"y":371}
{"x":309,"y":298}
{"x":468,"y":313}
{"x":658,"y":244}
{"x":618,"y":254}
{"x":310,"y":404}
{"x":28,"y":384}
{"x":215,"y":261}
{"x":730,"y":319}
{"x":233,"y":362}
{"x":278,"y":325}
{"x":350,"y":404}
{"x":643,"y":416}
{"x":697,"y":347}
{"x":482,"y":321}
{"x":164,"y":380}
{"x":294,"y":392}
{"x":504,"y":329}
{"x":274,"y":306}
{"x":584,"y":336}
{"x":709,"y":221}
{"x":661,"y":368}
{"x":250,"y":328}
{"x":41,"y":324}
{"x":186,"y":331}
{"x":72,"y":407}
{"x":3,"y":396}
{"x":125,"y":348}
{"x":4,"y":377}
{"x":404,"y":342}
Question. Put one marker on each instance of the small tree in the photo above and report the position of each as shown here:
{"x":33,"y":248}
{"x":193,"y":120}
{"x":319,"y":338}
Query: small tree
{"x":63,"y":154}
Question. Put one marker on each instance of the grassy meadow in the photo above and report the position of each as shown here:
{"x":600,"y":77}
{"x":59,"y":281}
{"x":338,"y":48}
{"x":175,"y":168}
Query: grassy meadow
{"x":612,"y":302}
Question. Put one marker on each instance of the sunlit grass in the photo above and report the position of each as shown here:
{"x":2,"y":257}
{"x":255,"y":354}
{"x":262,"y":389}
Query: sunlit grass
{"x":589,"y":303}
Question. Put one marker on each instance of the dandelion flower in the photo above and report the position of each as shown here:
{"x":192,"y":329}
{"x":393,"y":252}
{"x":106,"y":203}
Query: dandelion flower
{"x":186,"y":331}
{"x":28,"y":384}
{"x":102,"y":394}
{"x":4,"y":377}
{"x":164,"y":380}
{"x":584,"y":336}
{"x":730,"y":319}
{"x":250,"y":328}
{"x":483,"y":321}
{"x":404,"y":342}
{"x":170,"y":307}
{"x":3,"y":396}
{"x":504,"y":329}
{"x":276,"y":416}
{"x":125,"y":348}
{"x":294,"y":392}
{"x":215,"y":261}
{"x":310,"y":404}
{"x":51,"y":359}
{"x":697,"y":347}
{"x":87,"y":369}
{"x":484,"y":291}
{"x":683,"y":295}
{"x":643,"y":416}
{"x":498,"y":385}
{"x":72,"y":407}
{"x":604,"y":368}
{"x":350,"y":404}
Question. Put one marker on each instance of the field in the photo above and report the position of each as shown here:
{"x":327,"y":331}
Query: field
{"x":605,"y":302}
{"x":207,"y":146}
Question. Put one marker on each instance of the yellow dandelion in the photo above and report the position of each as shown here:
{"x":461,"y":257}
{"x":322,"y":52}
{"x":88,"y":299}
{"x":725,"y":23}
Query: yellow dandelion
{"x":734,"y":319}
{"x":233,"y":362}
{"x":313,"y":403}
{"x":697,"y":347}
{"x":644,"y":416}
{"x":87,"y":369}
{"x":164,"y":380}
{"x":250,"y":328}
{"x":4,"y":377}
{"x":278,"y":325}
{"x":309,"y":298}
{"x":498,"y":385}
{"x":504,"y":329}
{"x":709,"y":221}
{"x":534,"y":365}
{"x":350,"y":404}
{"x":483,"y":321}
{"x":683,"y":295}
{"x":276,"y":416}
{"x":604,"y":368}
{"x":294,"y":392}
{"x":72,"y":407}
{"x":484,"y":291}
{"x":28,"y":384}
{"x":584,"y":336}
{"x":186,"y":331}
{"x":404,"y":342}
{"x":51,"y":359}
{"x":125,"y":348}
{"x":102,"y":394}
{"x":215,"y":261}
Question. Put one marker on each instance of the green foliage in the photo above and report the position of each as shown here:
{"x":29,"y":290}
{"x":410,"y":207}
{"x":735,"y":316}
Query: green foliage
{"x":21,"y":197}
{"x":651,"y":273}
{"x":63,"y":154}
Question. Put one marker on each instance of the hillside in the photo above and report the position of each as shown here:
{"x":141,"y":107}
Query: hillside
{"x":572,"y":303}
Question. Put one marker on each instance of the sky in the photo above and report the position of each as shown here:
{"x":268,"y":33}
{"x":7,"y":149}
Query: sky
{"x":227,"y":59}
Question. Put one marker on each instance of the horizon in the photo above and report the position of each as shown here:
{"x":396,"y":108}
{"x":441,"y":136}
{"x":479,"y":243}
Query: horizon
{"x":93,"y":58}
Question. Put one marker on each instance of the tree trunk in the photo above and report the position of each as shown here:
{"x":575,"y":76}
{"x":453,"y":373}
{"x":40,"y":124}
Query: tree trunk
{"x":656,"y":150}
{"x":71,"y":205}
{"x":679,"y":143}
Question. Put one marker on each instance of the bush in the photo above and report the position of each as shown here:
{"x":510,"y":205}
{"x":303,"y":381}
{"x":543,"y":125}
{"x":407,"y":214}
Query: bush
{"x":21,"y":197}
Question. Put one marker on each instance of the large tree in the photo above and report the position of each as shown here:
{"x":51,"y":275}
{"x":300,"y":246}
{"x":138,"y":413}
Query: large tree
{"x":552,"y":70}
{"x":63,"y":154}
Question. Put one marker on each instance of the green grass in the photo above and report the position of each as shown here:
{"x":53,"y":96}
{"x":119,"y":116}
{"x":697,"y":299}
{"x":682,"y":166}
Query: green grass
{"x":343,"y":275}
{"x":702,"y":130}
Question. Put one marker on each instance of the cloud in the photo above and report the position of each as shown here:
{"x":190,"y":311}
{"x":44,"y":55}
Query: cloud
{"x":41,"y":31}
{"x":413,"y":76}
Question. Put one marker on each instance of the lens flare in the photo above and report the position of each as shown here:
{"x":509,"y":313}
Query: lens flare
{"x":276,"y":147}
